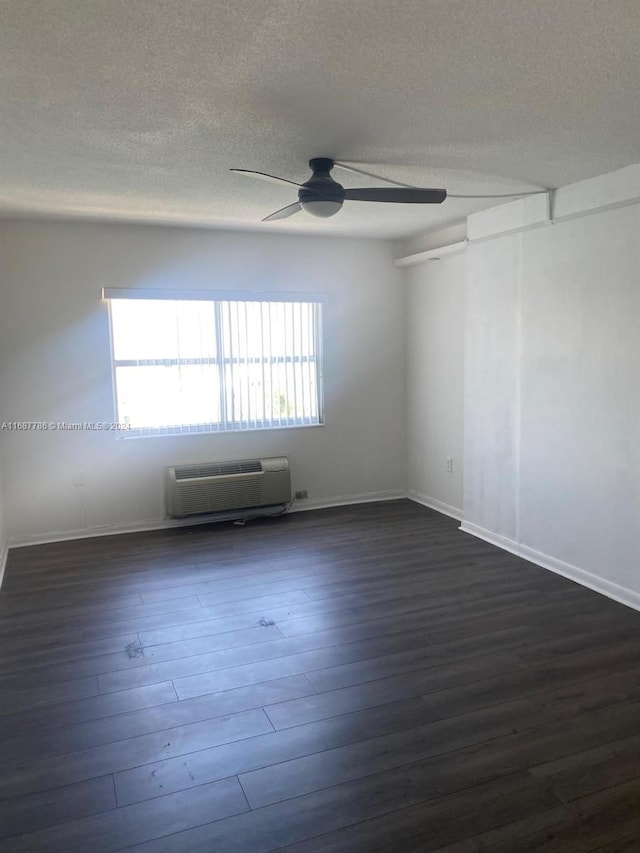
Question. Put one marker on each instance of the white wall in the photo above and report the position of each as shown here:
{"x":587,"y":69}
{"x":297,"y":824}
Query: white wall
{"x":3,"y":536}
{"x":3,"y":532}
{"x":435,"y":381}
{"x":552,"y":408}
{"x":54,"y":363}
{"x":491,"y":412}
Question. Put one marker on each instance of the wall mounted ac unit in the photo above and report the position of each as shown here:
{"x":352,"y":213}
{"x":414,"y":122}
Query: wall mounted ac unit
{"x":233,"y":488}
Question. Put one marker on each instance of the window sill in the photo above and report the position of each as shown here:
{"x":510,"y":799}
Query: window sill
{"x":127,"y":435}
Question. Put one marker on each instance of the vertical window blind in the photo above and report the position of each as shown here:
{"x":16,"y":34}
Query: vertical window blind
{"x":188,"y":365}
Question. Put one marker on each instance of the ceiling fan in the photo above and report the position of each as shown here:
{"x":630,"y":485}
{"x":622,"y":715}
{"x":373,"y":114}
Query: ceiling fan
{"x":322,"y":196}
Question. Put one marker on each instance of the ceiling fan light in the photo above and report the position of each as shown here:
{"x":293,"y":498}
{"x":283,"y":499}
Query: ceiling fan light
{"x":322,"y":209}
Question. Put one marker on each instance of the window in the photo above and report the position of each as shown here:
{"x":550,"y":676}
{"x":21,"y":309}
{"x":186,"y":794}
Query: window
{"x":195,"y":364}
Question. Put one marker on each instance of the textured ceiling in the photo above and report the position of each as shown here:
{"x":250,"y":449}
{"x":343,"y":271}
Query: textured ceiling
{"x":136,"y":109}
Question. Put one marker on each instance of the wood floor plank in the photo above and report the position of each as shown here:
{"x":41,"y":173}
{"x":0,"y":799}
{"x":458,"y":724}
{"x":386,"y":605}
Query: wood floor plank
{"x":333,"y":767}
{"x":303,"y":654}
{"x":196,"y":620}
{"x":207,"y":682}
{"x":134,"y":655}
{"x":538,"y":686}
{"x":116,"y":756}
{"x":355,"y":570}
{"x":72,"y":737}
{"x":49,"y":656}
{"x":376,"y":680}
{"x":34,"y":603}
{"x":430,"y":824}
{"x":370,"y":669}
{"x":124,"y":826}
{"x":22,"y":700}
{"x":94,"y":615}
{"x":51,"y":717}
{"x":264,"y":751}
{"x":490,"y":603}
{"x":609,"y":819}
{"x":295,"y":712}
{"x":275,"y":827}
{"x":22,"y":814}
{"x":592,"y":770}
{"x":273,"y":749}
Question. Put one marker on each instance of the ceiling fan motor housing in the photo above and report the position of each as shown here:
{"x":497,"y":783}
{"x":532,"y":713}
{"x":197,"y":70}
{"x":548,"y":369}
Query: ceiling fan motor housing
{"x":321,"y":195}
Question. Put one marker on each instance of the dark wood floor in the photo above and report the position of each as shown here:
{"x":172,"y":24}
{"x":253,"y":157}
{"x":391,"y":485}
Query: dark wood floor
{"x":345,"y":681}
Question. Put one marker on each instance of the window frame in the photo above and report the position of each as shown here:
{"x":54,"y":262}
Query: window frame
{"x":217,"y":297}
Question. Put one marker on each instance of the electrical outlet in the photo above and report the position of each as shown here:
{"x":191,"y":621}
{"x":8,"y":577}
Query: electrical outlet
{"x":449,"y":464}
{"x":302,"y":495}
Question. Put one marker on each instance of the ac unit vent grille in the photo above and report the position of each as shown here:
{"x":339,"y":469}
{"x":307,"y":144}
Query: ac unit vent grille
{"x":218,"y":469}
{"x":213,"y":497}
{"x":228,"y":486}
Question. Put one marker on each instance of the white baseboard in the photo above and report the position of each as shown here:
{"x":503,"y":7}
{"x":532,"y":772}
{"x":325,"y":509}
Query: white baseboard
{"x":432,"y":503}
{"x":618,"y":593}
{"x":111,"y":530}
{"x":489,"y":536}
{"x":4,"y":553}
{"x":167,"y":523}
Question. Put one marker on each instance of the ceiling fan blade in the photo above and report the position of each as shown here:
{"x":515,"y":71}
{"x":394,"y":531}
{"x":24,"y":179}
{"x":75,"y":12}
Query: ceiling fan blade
{"x":263,"y":176}
{"x":284,"y":212}
{"x":399,"y":195}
